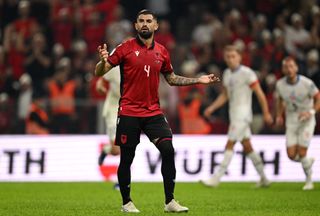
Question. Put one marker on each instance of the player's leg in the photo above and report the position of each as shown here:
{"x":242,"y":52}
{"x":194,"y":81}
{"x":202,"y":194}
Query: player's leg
{"x":307,"y":163}
{"x":127,"y":137}
{"x":104,"y":152}
{"x":111,"y":148}
{"x":214,"y":181}
{"x":292,"y":152}
{"x":168,"y":170}
{"x":159,"y":132}
{"x":235,"y":132}
{"x":115,"y":150}
{"x":257,"y":162}
{"x":292,"y":142}
{"x":228,"y":154}
{"x":124,"y":177}
{"x":305,"y":135}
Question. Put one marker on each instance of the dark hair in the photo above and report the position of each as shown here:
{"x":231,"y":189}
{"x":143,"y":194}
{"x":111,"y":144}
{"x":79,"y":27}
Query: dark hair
{"x":289,"y":58}
{"x":146,"y":11}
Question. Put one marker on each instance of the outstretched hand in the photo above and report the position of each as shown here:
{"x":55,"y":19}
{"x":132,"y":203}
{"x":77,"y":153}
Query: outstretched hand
{"x":103,"y":53}
{"x":207,"y":79}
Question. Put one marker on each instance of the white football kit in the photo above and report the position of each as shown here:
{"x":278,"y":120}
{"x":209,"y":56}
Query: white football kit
{"x":111,"y":104}
{"x":238,"y":84}
{"x":298,"y":98}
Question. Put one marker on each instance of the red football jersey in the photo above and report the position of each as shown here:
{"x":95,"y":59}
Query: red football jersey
{"x":140,"y":69}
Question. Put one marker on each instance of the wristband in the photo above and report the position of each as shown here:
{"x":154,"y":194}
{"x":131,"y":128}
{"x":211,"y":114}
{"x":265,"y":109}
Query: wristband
{"x":312,"y":112}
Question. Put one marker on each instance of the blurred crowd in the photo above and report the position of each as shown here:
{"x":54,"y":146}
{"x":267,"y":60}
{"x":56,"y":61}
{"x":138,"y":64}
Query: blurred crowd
{"x":48,"y":55}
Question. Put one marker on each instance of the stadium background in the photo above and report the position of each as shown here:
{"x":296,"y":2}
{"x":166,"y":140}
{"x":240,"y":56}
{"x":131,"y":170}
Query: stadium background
{"x":65,"y":34}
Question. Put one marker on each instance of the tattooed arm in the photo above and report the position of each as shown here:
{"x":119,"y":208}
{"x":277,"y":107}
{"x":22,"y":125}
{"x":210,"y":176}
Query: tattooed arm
{"x":175,"y":80}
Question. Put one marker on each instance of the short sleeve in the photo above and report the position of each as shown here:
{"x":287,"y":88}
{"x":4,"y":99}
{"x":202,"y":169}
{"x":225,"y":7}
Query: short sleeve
{"x":224,"y":78}
{"x":313,"y":89}
{"x":252,"y":78}
{"x":277,"y":90}
{"x":166,"y":66}
{"x":116,"y":55}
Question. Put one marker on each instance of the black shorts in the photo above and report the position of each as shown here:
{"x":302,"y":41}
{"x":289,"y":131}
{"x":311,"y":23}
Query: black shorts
{"x":129,"y":129}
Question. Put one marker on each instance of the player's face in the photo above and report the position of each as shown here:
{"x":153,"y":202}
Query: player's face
{"x":146,"y":25}
{"x":289,"y":68}
{"x":232,"y":59}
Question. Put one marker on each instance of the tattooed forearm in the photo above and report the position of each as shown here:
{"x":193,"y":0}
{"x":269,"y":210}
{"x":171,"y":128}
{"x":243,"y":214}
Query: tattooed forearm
{"x":175,"y":80}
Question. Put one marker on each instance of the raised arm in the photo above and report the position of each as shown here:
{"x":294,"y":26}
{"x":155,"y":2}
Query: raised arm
{"x":263,"y":103}
{"x":175,"y":80}
{"x":103,"y":66}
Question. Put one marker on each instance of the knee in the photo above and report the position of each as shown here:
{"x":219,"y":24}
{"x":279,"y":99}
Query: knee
{"x":166,"y":148}
{"x":126,"y":155}
{"x":229,"y":145}
{"x":302,"y":155}
{"x":247,"y":149}
{"x":302,"y":151}
{"x":291,"y":156}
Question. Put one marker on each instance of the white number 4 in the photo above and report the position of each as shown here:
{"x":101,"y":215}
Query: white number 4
{"x":147,"y":69}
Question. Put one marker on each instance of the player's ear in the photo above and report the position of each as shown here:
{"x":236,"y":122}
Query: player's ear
{"x":136,"y":26}
{"x":156,"y":26}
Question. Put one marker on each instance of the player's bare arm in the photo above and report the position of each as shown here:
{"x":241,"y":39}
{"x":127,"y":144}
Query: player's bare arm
{"x":102,"y":67}
{"x":221,"y":99}
{"x":175,"y":80}
{"x":279,"y":111}
{"x":263,"y":103}
{"x":317,"y":102}
{"x":100,"y":87}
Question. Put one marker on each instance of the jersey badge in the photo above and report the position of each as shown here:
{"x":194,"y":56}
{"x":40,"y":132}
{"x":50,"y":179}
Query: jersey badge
{"x":123,"y":138}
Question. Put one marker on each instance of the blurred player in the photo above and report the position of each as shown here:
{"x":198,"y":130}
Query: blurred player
{"x":110,"y":112}
{"x":300,"y":98}
{"x":239,"y":82}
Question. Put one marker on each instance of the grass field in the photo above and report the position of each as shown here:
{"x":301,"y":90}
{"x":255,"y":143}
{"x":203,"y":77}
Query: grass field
{"x":100,"y":199}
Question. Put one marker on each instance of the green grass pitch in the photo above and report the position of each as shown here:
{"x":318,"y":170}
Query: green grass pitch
{"x":63,"y":199}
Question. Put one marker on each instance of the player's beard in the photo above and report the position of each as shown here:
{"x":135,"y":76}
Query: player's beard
{"x":145,"y":34}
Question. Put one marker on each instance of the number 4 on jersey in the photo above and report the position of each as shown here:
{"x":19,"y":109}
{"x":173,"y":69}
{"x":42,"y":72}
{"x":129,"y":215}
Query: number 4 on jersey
{"x":147,"y":69}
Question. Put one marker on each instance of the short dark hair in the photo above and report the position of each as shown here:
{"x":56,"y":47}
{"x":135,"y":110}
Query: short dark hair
{"x":146,"y":11}
{"x":289,"y":58}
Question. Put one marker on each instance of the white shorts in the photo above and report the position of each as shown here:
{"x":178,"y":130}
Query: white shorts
{"x":111,"y":124}
{"x":300,"y":134}
{"x":239,"y":130}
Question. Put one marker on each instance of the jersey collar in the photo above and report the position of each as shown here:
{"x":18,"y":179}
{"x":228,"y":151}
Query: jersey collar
{"x":140,"y":42}
{"x":236,"y":69}
{"x":298,"y":78}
